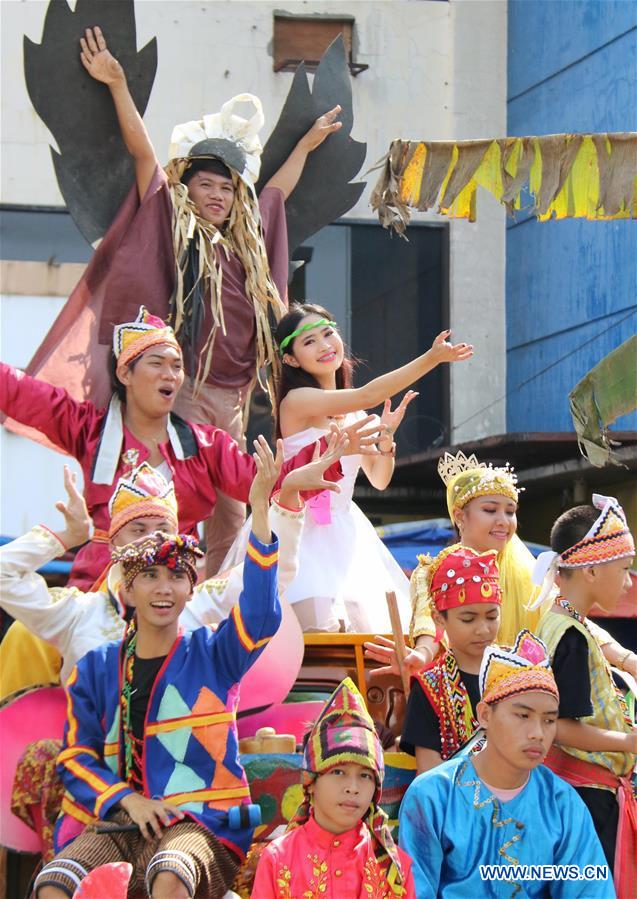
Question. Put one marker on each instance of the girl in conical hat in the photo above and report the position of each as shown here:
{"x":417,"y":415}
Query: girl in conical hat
{"x":338,"y":842}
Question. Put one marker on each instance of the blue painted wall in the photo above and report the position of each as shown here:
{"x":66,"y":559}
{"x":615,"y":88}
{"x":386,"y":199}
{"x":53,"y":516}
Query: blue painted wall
{"x":571,"y":285}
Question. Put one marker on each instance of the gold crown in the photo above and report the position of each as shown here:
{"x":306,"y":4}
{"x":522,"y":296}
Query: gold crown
{"x":449,"y":465}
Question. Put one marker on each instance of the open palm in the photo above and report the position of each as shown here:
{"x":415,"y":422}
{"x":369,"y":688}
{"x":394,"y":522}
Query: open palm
{"x":392,"y":419}
{"x":97,"y":59}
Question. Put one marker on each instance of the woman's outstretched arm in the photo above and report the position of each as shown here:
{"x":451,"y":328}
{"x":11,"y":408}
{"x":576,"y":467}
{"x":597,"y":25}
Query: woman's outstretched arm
{"x":303,"y":404}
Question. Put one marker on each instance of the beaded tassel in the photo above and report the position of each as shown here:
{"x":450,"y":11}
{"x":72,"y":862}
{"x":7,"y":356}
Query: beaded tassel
{"x":125,"y":701}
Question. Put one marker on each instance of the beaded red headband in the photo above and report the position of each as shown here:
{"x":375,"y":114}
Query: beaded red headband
{"x":460,"y":576}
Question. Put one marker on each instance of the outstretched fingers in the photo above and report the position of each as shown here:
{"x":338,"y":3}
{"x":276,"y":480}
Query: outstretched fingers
{"x":99,"y":38}
{"x":407,"y":399}
{"x":91,"y":40}
{"x":442,"y":337}
{"x":462,"y":351}
{"x":263,"y":457}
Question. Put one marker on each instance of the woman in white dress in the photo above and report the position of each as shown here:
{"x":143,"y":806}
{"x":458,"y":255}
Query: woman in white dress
{"x":344,"y":568}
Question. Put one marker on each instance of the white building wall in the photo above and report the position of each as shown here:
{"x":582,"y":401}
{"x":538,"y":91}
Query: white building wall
{"x":31,"y":476}
{"x":437,"y":70}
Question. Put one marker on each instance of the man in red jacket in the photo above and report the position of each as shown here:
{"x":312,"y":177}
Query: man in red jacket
{"x":139,"y":426}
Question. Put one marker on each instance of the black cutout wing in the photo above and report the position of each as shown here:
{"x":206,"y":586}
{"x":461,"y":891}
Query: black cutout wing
{"x":93,"y":168}
{"x":324,"y":191}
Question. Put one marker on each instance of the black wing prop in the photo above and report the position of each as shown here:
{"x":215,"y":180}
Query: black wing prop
{"x":324,"y":191}
{"x":93,"y":168}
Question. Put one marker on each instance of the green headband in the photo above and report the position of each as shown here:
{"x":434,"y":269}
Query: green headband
{"x":307,"y":327}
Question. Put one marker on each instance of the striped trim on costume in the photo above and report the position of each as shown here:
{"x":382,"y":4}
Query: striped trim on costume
{"x":76,"y":811}
{"x":246,"y":641}
{"x":208,"y":795}
{"x":261,"y":559}
{"x":170,"y":724}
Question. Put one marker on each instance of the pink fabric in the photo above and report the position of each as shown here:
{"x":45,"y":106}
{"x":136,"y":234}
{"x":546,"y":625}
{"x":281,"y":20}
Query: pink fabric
{"x":36,"y":715}
{"x":310,"y":861}
{"x":294,"y":718}
{"x":505,"y":795}
{"x":75,"y":428}
{"x":320,"y":508}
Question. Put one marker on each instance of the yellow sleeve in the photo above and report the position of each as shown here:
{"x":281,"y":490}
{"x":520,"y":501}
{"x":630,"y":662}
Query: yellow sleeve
{"x":421,"y":620}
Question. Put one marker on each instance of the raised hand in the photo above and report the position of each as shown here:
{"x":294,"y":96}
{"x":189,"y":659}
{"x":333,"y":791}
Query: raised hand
{"x":322,"y":128}
{"x":97,"y":59}
{"x":390,"y":420}
{"x":310,"y":476}
{"x":443,"y":351}
{"x":76,"y":518}
{"x":363,"y":436}
{"x":383,"y":650}
{"x":268,"y":470}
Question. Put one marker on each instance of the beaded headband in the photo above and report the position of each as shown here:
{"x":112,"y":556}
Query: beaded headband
{"x":524,"y":669}
{"x":459,"y":576}
{"x":178,"y":553}
{"x":309,"y":326}
{"x":131,"y":339}
{"x":465,"y":479}
{"x":607,"y":540}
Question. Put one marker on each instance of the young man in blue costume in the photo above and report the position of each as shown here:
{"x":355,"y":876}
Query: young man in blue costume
{"x":160,"y":749}
{"x":502,"y":809}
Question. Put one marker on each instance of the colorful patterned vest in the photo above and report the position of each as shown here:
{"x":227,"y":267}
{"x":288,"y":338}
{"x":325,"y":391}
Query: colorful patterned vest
{"x":607,"y":708}
{"x":444,"y":689}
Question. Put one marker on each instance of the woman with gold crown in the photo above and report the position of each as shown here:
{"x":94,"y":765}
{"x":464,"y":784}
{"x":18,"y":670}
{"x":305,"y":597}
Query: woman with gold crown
{"x":482,"y":502}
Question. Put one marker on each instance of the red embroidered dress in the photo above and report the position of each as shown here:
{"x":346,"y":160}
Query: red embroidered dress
{"x":311,"y":863}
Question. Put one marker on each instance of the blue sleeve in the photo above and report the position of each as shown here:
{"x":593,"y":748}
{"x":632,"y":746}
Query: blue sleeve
{"x":579,"y":846}
{"x":255,"y":619}
{"x":418,"y":834}
{"x":91,"y":787}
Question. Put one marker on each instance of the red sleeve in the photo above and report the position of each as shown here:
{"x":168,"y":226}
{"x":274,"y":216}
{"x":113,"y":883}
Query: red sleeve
{"x":275,"y":232}
{"x":48,"y":409}
{"x":408,"y":875}
{"x":265,"y":885}
{"x":232,"y":470}
{"x":303,"y":457}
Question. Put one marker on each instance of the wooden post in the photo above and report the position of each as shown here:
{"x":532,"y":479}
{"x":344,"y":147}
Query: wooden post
{"x":399,"y":638}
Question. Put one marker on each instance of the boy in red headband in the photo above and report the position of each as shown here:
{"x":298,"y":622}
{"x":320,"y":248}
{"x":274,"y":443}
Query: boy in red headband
{"x":465,"y":598}
{"x":592,"y":552}
{"x":338,"y":844}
